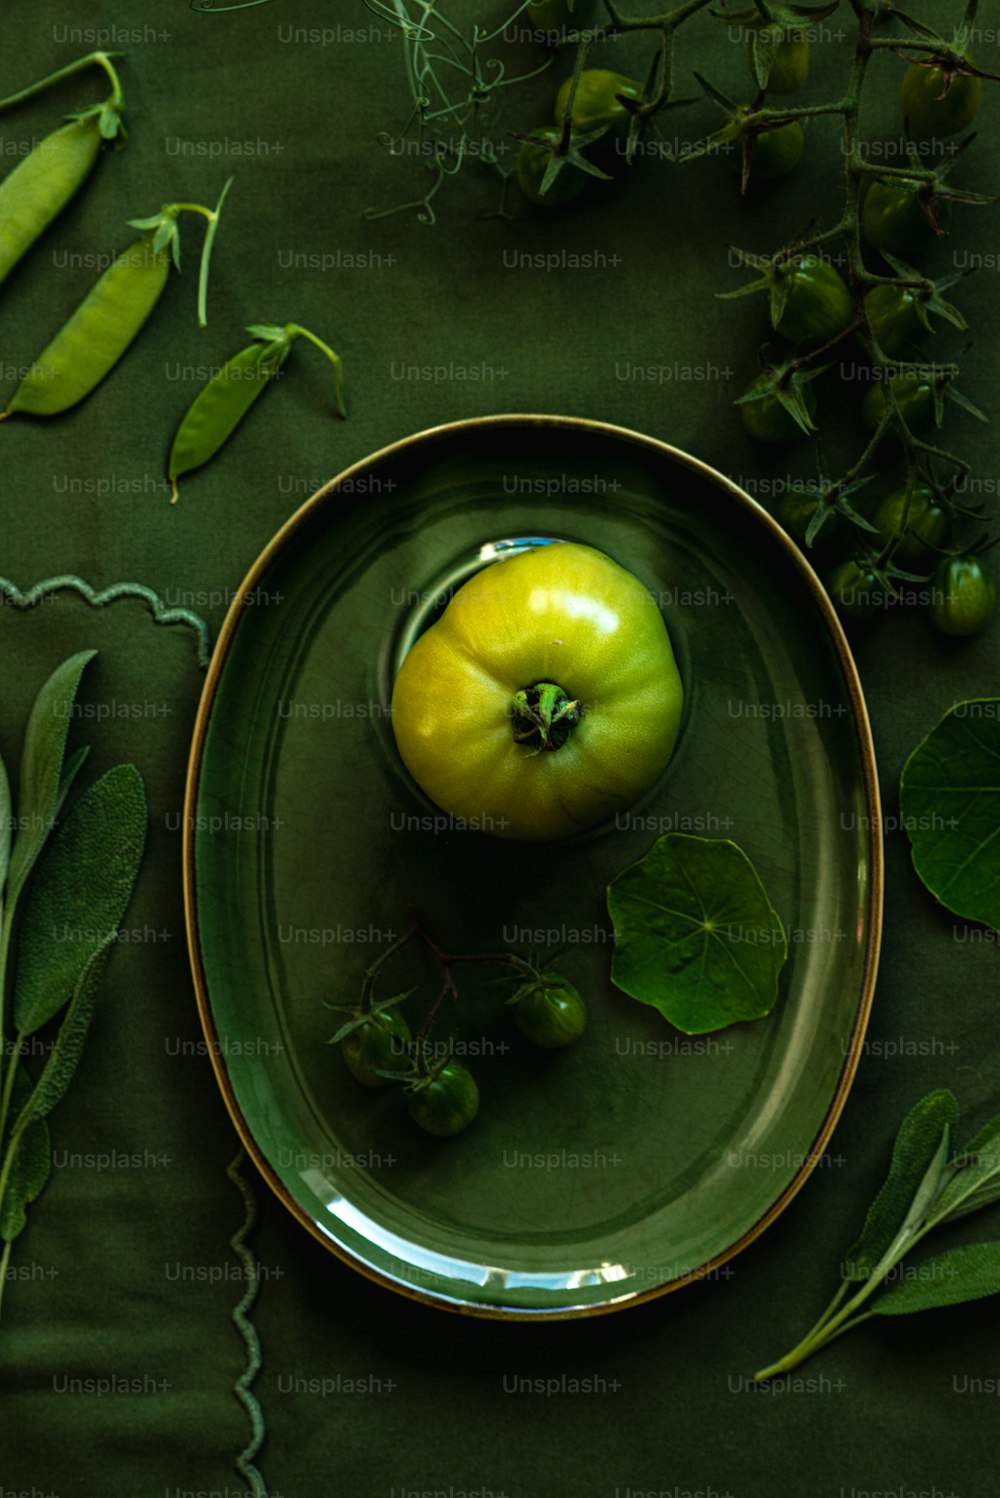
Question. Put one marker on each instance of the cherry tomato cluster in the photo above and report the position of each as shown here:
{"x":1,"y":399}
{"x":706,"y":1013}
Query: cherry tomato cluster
{"x":910,"y":534}
{"x":441,"y":1094}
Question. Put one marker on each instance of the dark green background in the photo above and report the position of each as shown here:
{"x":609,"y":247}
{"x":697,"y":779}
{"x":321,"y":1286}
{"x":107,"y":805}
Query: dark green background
{"x":97,"y":1293}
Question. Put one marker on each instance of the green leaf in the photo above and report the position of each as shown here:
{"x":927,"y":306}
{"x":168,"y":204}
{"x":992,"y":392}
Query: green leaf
{"x":695,"y":934}
{"x":968,"y":1273}
{"x":6,"y":823}
{"x":950,"y":806}
{"x":916,"y":1174}
{"x":79,"y":893}
{"x":976,"y":1182}
{"x":42,"y":765}
{"x":29,"y":1169}
{"x":68,"y":1047}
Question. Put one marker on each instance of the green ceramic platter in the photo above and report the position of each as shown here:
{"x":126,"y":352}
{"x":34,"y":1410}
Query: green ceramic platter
{"x":639,"y":1158}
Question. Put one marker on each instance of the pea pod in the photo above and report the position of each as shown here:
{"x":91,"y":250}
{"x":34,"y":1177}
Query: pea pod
{"x":90,"y":344}
{"x":43,"y":183}
{"x":222,"y":403}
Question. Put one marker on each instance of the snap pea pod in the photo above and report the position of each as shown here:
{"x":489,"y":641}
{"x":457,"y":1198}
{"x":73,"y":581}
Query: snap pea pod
{"x":43,"y":183}
{"x":90,"y":344}
{"x":221,"y":404}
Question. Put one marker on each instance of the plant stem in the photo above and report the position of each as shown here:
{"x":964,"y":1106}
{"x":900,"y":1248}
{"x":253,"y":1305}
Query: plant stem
{"x":4,"y":1261}
{"x":100,"y":59}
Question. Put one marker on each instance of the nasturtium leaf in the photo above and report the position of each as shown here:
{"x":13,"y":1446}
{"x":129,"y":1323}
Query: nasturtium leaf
{"x":68,"y":1045}
{"x":976,"y":1182}
{"x":30,"y":1166}
{"x":919,"y":1161}
{"x":79,"y":893}
{"x":968,"y":1273}
{"x":41,"y":787}
{"x":695,"y":934}
{"x":950,"y":806}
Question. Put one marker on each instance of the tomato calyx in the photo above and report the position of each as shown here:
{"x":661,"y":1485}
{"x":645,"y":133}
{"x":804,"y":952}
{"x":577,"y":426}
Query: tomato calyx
{"x":772,"y":26}
{"x":785,"y":383}
{"x":914,"y":291}
{"x":543,"y":716}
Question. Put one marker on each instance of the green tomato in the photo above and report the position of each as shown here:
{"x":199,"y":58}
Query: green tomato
{"x":927,"y":524}
{"x":532,"y":163}
{"x":892,"y":317}
{"x":914,"y":398}
{"x":855,"y":590}
{"x":446,"y":1103}
{"x":544,"y":699}
{"x":777,"y":152}
{"x":789,"y":63}
{"x":596,"y":101}
{"x":818,"y":304}
{"x":559,"y":18}
{"x":766,"y":420}
{"x":377,"y":1045}
{"x":551,"y":1015}
{"x":892,"y":219}
{"x":938,"y":101}
{"x":963,"y":596}
{"x":795,"y":512}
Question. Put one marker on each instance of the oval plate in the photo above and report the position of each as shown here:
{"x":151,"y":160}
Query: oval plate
{"x":640,"y":1158}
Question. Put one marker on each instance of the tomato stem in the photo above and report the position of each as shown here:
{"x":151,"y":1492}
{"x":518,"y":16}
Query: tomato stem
{"x":543,"y":716}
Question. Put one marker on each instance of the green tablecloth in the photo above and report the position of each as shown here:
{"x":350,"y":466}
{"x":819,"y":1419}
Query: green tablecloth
{"x":125,"y":1273}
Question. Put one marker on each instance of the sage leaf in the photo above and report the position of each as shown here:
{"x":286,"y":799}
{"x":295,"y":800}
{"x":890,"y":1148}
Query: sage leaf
{"x":81,"y":888}
{"x":42,"y":765}
{"x":68,"y":1047}
{"x":916,"y":1174}
{"x":29,"y":1168}
{"x":6,"y":824}
{"x":968,"y":1273}
{"x":950,"y":806}
{"x":695,"y":934}
{"x":976,"y":1182}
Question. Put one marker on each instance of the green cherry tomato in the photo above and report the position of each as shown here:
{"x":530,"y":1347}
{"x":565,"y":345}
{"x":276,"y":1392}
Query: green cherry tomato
{"x":766,"y":420}
{"x":927,"y":524}
{"x":892,"y":317}
{"x":795,"y":510}
{"x":963,"y":595}
{"x":377,"y":1045}
{"x":551,"y":1014}
{"x":892,"y":219}
{"x":532,"y":163}
{"x":596,"y":101}
{"x":855,"y":590}
{"x":914,"y":398}
{"x":777,"y":152}
{"x":544,"y":699}
{"x":938,"y":101}
{"x":789,"y":64}
{"x":818,"y":304}
{"x":446,"y":1103}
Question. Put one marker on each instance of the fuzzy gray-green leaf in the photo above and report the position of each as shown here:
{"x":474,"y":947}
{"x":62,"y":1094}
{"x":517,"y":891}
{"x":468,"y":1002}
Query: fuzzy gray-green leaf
{"x":68,"y":1046}
{"x":968,"y":1273}
{"x":976,"y":1182}
{"x":42,"y":765}
{"x":30,"y":1167}
{"x":80,"y":891}
{"x":919,"y":1158}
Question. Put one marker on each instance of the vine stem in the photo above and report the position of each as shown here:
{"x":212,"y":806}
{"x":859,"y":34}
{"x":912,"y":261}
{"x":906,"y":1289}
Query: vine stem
{"x":100,"y":59}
